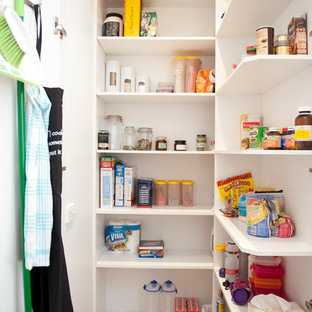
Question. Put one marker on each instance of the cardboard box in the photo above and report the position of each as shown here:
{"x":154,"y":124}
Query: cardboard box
{"x":119,"y":185}
{"x":246,"y":122}
{"x":107,"y":178}
{"x":151,"y":249}
{"x":148,"y":23}
{"x":129,"y":186}
{"x":132,"y":16}
{"x":297,"y":31}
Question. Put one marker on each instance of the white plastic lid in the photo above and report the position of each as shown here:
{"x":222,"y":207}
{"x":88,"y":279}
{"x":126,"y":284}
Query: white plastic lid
{"x":304,"y":109}
{"x":168,"y":287}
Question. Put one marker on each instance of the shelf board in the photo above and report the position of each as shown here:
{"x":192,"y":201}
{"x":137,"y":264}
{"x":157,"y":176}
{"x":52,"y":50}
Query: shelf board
{"x":270,"y":246}
{"x":173,"y":259}
{"x":155,"y":152}
{"x":197,"y":210}
{"x":258,"y":74}
{"x":256,"y":13}
{"x":266,"y":152}
{"x":160,"y":46}
{"x":157,"y":98}
{"x":227,"y":295}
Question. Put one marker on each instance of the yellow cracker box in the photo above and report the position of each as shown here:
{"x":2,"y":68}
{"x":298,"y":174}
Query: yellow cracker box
{"x":132,"y":18}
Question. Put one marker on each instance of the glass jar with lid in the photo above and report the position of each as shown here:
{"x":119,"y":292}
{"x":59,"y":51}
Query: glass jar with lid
{"x":303,"y":129}
{"x":114,"y":125}
{"x":129,"y":138}
{"x":161,"y":143}
{"x":145,"y":139}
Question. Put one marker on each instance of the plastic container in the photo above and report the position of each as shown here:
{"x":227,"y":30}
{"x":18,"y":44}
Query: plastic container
{"x":187,"y":193}
{"x":129,"y":138}
{"x":143,"y":84}
{"x":174,"y":193}
{"x":192,"y":68}
{"x":145,"y":139}
{"x":178,"y":72}
{"x":303,"y":129}
{"x":113,"y":25}
{"x":127,"y":79}
{"x":112,"y":76}
{"x":114,"y":123}
{"x":231,"y":261}
{"x":262,"y":260}
{"x":161,"y":192}
{"x":263,"y":271}
{"x":267,"y":283}
{"x":273,"y":139}
{"x":152,"y":291}
{"x":168,"y":294}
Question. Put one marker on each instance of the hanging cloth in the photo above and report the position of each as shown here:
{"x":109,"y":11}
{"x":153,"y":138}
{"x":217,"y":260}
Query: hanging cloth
{"x":50,"y":286}
{"x":38,"y":218}
{"x":37,"y":10}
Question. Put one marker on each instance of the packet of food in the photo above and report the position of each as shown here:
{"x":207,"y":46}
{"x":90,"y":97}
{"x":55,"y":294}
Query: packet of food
{"x":284,"y":226}
{"x":205,"y":81}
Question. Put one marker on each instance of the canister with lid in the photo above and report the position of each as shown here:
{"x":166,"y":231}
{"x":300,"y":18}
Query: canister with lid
{"x":303,"y":129}
{"x":103,"y":140}
{"x":161,"y":192}
{"x":143,"y":84}
{"x":180,"y":145}
{"x":178,"y":72}
{"x":113,"y":25}
{"x":129,"y":138}
{"x":115,"y":131}
{"x":282,"y":45}
{"x":187,"y":192}
{"x":127,"y":79}
{"x":112,"y":76}
{"x":161,"y":143}
{"x":145,"y":139}
{"x":273,"y":139}
{"x":174,"y":193}
{"x":192,"y":67}
{"x":265,"y":40}
{"x":201,"y":142}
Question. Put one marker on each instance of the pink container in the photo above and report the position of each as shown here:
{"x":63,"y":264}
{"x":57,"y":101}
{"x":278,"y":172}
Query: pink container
{"x":187,"y":193}
{"x":192,"y":68}
{"x":263,"y":271}
{"x":161,"y":192}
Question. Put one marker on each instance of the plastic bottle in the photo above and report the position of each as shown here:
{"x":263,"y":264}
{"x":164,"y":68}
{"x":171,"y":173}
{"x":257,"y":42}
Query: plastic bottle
{"x":152,"y":290}
{"x":220,"y":302}
{"x":168,"y":293}
{"x":231,"y":261}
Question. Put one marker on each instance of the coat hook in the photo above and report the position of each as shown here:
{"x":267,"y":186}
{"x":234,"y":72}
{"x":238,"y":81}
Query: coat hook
{"x":58,"y":28}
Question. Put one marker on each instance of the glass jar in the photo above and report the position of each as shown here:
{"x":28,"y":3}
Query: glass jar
{"x":201,"y":142}
{"x":129,"y":138}
{"x":114,"y":123}
{"x":192,"y":67}
{"x":161,"y":143}
{"x":187,"y":193}
{"x":161,"y":192}
{"x":180,"y":145}
{"x":303,"y":129}
{"x":273,"y":139}
{"x":103,"y":140}
{"x":145,"y":139}
{"x":282,"y":45}
{"x":289,"y":139}
{"x":174,"y":193}
{"x":178,"y":72}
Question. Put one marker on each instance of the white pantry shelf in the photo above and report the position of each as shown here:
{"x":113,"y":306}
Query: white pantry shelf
{"x":256,"y":13}
{"x":197,"y":210}
{"x":156,"y":98}
{"x":158,"y":46}
{"x":173,"y":259}
{"x":270,"y":246}
{"x":266,"y":152}
{"x":156,"y":152}
{"x":227,"y":295}
{"x":258,"y":74}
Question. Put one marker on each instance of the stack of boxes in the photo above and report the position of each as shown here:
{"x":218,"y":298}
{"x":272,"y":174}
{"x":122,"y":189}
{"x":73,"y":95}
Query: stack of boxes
{"x":190,"y":304}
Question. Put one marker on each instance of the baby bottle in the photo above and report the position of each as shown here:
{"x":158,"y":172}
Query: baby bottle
{"x":168,"y":293}
{"x":152,"y":290}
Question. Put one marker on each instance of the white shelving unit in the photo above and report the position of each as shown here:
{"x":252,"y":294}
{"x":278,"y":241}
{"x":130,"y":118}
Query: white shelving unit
{"x":266,"y":152}
{"x":176,"y":153}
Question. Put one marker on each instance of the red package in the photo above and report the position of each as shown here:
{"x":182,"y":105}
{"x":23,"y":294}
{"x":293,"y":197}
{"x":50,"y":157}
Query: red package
{"x":284,"y":226}
{"x":180,"y":304}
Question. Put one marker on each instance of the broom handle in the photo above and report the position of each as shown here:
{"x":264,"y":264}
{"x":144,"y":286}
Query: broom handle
{"x":19,"y":8}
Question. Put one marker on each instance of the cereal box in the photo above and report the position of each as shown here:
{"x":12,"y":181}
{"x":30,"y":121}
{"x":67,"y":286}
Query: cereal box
{"x":107,"y":176}
{"x":246,"y":122}
{"x":148,"y":23}
{"x":119,"y":185}
{"x":129,"y":187}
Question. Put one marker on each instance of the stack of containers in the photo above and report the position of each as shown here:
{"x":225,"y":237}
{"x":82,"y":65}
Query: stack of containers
{"x":265,"y":275}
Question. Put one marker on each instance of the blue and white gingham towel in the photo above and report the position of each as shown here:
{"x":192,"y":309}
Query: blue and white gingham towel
{"x":38,"y":219}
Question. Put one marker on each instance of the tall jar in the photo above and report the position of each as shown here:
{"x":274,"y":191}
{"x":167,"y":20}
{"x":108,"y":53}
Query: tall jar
{"x":161,"y":192}
{"x":174,"y":193}
{"x":187,"y":193}
{"x":145,"y":139}
{"x":129,"y":138}
{"x":192,"y":67}
{"x":178,"y":72}
{"x":114,"y":123}
{"x":303,"y":129}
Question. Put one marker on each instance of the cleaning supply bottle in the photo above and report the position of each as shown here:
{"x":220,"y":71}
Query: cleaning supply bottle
{"x":152,"y":290}
{"x":220,"y":302}
{"x":168,"y":293}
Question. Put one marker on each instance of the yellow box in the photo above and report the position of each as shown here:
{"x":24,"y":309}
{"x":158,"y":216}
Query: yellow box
{"x":132,"y":17}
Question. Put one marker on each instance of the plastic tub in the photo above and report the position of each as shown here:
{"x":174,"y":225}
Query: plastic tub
{"x":187,"y":193}
{"x":178,"y":71}
{"x":263,"y":271}
{"x":161,"y":192}
{"x":174,"y":193}
{"x":262,"y":260}
{"x":192,"y":68}
{"x":272,"y":283}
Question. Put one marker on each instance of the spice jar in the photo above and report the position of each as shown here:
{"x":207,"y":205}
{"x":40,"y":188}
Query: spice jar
{"x":201,"y":142}
{"x":178,"y":72}
{"x":289,"y":139}
{"x":192,"y":68}
{"x":180,"y":145}
{"x":161,"y":143}
{"x":303,"y":129}
{"x":161,"y":192}
{"x":127,"y":79}
{"x":103,"y":140}
{"x":272,"y":139}
{"x":113,"y":25}
{"x":174,"y":193}
{"x":129,"y":138}
{"x":282,"y":45}
{"x":115,"y":131}
{"x":187,"y":193}
{"x":145,"y":139}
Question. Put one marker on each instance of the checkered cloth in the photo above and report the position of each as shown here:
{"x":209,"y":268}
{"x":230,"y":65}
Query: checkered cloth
{"x":38,"y":219}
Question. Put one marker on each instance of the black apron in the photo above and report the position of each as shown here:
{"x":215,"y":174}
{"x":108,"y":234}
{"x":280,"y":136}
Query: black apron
{"x":49,"y":285}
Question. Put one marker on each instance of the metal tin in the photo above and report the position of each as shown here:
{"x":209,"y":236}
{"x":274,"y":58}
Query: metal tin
{"x":265,"y":40}
{"x":103,"y":139}
{"x":256,"y":137}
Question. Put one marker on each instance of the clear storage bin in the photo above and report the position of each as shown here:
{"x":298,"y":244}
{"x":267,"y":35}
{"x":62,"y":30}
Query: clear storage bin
{"x":192,"y":68}
{"x":129,"y":138}
{"x":161,"y":192}
{"x":115,"y":131}
{"x":174,"y":193}
{"x":178,"y":71}
{"x":187,"y":193}
{"x":145,"y":139}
